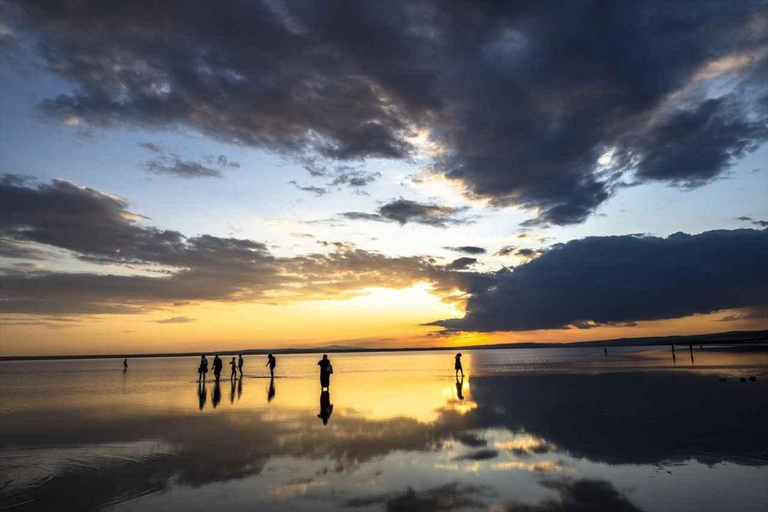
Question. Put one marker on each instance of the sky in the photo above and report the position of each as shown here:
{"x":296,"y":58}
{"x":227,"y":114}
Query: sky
{"x":206,"y":176}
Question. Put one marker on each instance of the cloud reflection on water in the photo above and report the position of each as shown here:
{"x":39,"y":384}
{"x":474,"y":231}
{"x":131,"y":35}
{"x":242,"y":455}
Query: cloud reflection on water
{"x":540,"y":425}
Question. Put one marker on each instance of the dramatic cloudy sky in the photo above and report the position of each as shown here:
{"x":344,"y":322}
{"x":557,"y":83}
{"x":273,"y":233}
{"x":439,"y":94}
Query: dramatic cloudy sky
{"x":207,"y":175}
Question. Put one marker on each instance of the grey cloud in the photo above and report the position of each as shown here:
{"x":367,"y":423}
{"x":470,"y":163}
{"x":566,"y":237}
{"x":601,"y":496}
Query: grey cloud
{"x":605,"y":280}
{"x":446,"y":497}
{"x":23,"y":250}
{"x":354,"y":177}
{"x":404,"y":211}
{"x":528,"y":253}
{"x":467,"y":249}
{"x":182,"y":169}
{"x":176,"y":320}
{"x":505,"y":251}
{"x":461,"y":263}
{"x":758,"y":223}
{"x":363,"y":216}
{"x":169,"y":163}
{"x":318,"y":191}
{"x":486,"y":454}
{"x":753,"y":313}
{"x":521,"y":99}
{"x":584,"y":495}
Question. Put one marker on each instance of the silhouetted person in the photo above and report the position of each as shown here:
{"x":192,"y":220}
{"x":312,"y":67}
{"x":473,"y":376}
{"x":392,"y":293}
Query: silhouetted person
{"x":232,"y":390}
{"x":239,"y":388}
{"x":216,"y":395}
{"x":125,"y":364}
{"x":233,"y":364}
{"x":203,"y":368}
{"x":457,"y":366}
{"x":326,"y":369}
{"x":460,"y":387}
{"x":673,"y":352}
{"x":326,"y":407}
{"x":240,"y":363}
{"x":202,"y":396}
{"x":271,"y":362}
{"x":605,"y":350}
{"x":271,"y":392}
{"x":217,"y":364}
{"x":690,"y":348}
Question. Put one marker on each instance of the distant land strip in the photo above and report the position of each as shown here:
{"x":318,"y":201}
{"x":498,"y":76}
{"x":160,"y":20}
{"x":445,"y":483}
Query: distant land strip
{"x":730,"y":338}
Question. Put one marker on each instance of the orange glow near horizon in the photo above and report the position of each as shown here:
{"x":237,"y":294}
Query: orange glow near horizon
{"x":375,"y":318}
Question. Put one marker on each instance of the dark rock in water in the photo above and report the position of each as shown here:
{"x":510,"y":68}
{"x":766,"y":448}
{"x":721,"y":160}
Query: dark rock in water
{"x":753,"y":379}
{"x":742,"y":379}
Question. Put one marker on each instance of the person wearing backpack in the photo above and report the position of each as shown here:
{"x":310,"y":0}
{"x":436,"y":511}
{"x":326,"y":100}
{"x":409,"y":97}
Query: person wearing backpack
{"x":326,"y":369}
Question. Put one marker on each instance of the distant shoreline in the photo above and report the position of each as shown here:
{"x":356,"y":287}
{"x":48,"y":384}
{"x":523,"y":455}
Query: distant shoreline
{"x":732,"y":337}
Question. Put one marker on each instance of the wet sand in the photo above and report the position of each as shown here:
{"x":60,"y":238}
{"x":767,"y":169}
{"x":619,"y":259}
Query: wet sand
{"x":539,"y":429}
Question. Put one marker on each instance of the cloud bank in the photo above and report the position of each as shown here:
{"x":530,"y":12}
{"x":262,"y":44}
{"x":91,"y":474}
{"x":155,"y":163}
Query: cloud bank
{"x":620,"y":279}
{"x":98,"y":228}
{"x":520,"y":105}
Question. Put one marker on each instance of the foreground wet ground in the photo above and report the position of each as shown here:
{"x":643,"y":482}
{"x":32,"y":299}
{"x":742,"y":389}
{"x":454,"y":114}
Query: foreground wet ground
{"x":534,"y":430}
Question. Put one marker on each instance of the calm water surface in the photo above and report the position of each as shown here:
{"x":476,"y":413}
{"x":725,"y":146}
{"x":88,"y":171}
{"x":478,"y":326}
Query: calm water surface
{"x":533,"y":430}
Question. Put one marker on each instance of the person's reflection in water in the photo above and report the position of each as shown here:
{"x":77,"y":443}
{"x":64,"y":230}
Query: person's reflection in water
{"x":233,"y":383}
{"x":271,"y":392}
{"x":460,"y":387}
{"x":216,"y":394}
{"x":239,"y":388}
{"x":326,"y":407}
{"x":201,"y":394}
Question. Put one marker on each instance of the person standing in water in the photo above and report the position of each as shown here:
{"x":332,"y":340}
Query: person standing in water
{"x":125,"y":364}
{"x":326,"y":369}
{"x":240,"y":363}
{"x":458,"y":365}
{"x":202,"y":369}
{"x":233,"y":364}
{"x":271,"y":362}
{"x":217,"y":364}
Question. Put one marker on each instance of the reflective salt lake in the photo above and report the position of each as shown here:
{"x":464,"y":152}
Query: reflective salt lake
{"x":533,"y":430}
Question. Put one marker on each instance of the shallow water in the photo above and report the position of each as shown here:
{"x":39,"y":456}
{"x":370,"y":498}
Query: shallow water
{"x":547,"y":429}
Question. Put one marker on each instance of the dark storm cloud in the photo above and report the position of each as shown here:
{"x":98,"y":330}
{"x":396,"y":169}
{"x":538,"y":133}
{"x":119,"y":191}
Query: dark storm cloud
{"x":603,"y":280}
{"x":461,"y":263}
{"x":98,"y":228}
{"x":165,"y":162}
{"x":524,"y":101}
{"x":467,"y":249}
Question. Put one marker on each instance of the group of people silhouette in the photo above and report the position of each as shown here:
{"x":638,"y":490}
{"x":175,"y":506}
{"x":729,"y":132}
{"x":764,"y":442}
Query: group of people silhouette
{"x":326,"y":370}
